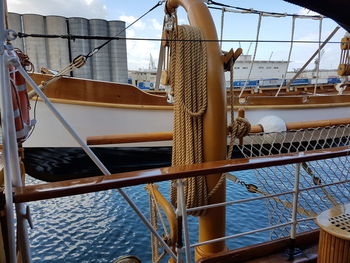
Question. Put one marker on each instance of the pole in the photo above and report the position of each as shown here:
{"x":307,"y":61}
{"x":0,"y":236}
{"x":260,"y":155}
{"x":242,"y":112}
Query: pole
{"x":212,"y":224}
{"x":10,"y":150}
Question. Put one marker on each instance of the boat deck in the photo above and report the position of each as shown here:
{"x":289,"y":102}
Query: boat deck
{"x":272,"y":252}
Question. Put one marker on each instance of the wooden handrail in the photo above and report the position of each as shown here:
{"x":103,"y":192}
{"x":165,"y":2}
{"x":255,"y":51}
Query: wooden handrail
{"x":168,"y":136}
{"x":100,"y":183}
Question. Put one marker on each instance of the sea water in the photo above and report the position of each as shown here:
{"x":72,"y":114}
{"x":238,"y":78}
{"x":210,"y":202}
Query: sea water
{"x":100,"y":227}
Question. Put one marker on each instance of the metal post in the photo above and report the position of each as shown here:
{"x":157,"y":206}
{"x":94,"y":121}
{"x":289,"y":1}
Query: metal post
{"x":222,"y":26}
{"x":11,"y":160}
{"x":295,"y":202}
{"x":93,"y":157}
{"x":292,"y":249}
{"x":181,"y":210}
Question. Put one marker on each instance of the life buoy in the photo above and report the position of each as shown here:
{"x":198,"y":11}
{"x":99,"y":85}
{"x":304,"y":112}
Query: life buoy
{"x":21,"y":105}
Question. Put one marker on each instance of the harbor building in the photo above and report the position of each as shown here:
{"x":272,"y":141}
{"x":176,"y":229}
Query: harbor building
{"x":109,"y":64}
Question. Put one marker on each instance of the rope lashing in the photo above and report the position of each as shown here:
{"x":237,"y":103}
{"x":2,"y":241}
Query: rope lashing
{"x":24,"y":60}
{"x":240,"y":128}
{"x":78,"y":62}
{"x":344,"y":64}
{"x":188,"y":68}
{"x":252,"y":188}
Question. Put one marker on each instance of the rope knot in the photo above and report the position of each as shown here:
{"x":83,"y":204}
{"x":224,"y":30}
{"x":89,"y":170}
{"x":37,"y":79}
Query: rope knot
{"x":239,"y":128}
{"x":24,"y":60}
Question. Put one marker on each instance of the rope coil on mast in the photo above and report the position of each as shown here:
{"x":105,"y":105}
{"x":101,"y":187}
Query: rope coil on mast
{"x":188,"y":67}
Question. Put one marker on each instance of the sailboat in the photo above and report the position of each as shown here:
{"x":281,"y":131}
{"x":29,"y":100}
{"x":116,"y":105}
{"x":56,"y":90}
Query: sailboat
{"x":297,"y":186}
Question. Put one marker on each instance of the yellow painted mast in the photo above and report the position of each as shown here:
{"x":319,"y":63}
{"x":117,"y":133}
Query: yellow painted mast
{"x":212,"y":224}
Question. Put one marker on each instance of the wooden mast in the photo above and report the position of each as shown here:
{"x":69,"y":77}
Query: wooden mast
{"x":211,"y":225}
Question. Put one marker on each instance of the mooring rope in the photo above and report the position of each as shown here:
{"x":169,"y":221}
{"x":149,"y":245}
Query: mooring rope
{"x":188,"y":80}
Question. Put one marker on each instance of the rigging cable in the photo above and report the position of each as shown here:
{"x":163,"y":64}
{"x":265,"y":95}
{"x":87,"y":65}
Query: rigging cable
{"x":252,"y":63}
{"x":289,"y":56}
{"x":319,"y":55}
{"x":96,"y":49}
{"x":254,"y":11}
{"x":73,"y":37}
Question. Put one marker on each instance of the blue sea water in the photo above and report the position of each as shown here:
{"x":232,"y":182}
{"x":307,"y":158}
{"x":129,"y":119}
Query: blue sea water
{"x":100,"y":227}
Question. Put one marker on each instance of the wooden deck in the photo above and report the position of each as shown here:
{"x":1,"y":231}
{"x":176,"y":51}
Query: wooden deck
{"x":272,"y":252}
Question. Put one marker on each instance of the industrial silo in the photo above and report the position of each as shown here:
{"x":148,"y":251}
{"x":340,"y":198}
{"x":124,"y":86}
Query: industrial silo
{"x":35,"y":48}
{"x":80,"y":26}
{"x":15,"y":23}
{"x":101,"y":62}
{"x":119,"y":67}
{"x":58,"y":51}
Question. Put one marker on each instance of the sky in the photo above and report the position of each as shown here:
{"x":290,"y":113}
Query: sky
{"x":236,"y":26}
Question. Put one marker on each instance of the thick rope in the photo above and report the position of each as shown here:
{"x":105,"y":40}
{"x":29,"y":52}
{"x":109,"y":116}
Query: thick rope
{"x":189,"y":83}
{"x":238,"y":128}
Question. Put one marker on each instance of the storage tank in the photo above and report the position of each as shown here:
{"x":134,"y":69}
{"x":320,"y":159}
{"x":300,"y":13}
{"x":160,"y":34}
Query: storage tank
{"x":119,"y":65}
{"x":80,"y":26}
{"x":101,"y":61}
{"x":15,"y":23}
{"x":58,"y":52}
{"x":35,"y":48}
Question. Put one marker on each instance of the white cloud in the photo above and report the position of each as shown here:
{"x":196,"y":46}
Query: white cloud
{"x":131,"y":19}
{"x":156,"y":24}
{"x":307,"y":12}
{"x":81,"y":8}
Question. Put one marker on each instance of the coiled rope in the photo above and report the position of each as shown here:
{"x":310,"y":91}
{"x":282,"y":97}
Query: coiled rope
{"x":188,"y":80}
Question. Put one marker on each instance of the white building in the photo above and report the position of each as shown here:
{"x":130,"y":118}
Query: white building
{"x":262,"y":69}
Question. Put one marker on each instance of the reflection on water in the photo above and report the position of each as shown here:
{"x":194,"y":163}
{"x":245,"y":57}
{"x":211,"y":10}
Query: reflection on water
{"x":100,"y":227}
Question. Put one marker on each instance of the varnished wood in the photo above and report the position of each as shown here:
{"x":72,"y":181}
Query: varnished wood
{"x":333,"y":249}
{"x":167,"y":136}
{"x":334,"y":244}
{"x":98,"y":91}
{"x":129,"y":138}
{"x":100,"y":183}
{"x":116,"y":95}
{"x":323,"y":220}
{"x":270,"y":252}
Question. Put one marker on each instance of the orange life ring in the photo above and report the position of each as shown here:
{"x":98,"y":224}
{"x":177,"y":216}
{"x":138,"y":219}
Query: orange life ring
{"x":21,"y":105}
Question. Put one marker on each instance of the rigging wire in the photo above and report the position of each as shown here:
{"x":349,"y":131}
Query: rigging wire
{"x":254,"y":11}
{"x":73,"y":37}
{"x":96,"y":49}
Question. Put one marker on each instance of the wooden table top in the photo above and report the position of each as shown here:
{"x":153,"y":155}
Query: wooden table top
{"x":336,"y":221}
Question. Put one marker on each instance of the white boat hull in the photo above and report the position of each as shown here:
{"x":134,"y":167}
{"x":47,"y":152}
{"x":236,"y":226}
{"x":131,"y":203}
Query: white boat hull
{"x":97,"y":121}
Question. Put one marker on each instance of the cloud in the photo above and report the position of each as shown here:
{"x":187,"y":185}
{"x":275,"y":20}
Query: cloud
{"x":131,"y":19}
{"x":307,"y":12}
{"x":72,"y":8}
{"x":156,"y":24}
{"x":139,"y":51}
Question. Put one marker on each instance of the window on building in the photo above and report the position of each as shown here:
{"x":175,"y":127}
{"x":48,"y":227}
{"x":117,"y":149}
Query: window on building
{"x":244,"y":67}
{"x":261,"y":67}
{"x":268,"y":67}
{"x":275,"y":67}
{"x":236,"y":67}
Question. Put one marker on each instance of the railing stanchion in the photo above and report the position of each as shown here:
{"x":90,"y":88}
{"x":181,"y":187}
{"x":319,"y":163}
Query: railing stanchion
{"x":295,"y":202}
{"x":293,"y":227}
{"x":181,"y":209}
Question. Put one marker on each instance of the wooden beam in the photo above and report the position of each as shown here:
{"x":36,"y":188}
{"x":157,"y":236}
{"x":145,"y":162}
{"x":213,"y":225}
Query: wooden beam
{"x":100,"y":183}
{"x":168,"y":136}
